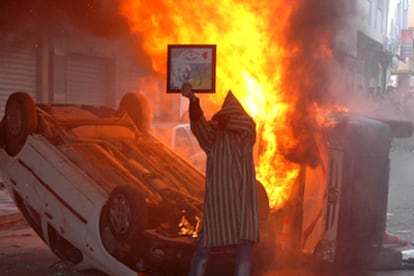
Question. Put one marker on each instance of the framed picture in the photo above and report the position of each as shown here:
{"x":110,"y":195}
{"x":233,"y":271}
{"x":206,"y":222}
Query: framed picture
{"x":191,"y":63}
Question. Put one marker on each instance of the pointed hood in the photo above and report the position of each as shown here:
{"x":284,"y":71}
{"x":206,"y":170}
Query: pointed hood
{"x":231,"y":106}
{"x":237,"y":118}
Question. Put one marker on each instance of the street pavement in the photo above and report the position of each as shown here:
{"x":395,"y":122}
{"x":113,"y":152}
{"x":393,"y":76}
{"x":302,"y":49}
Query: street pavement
{"x":9,"y":214}
{"x":400,"y":216}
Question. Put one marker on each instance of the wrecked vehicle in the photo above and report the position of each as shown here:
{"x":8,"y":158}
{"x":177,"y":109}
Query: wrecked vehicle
{"x":98,"y":188}
{"x":337,"y":210}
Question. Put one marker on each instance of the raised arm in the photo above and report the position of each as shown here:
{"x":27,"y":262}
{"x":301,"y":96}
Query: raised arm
{"x":203,"y":130}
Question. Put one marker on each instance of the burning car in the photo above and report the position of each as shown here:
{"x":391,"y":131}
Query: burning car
{"x":100,"y":190}
{"x":337,"y":210}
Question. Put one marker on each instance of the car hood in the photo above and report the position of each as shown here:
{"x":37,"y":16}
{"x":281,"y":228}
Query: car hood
{"x":146,"y":164}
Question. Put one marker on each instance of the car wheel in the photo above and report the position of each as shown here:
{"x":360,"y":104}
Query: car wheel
{"x":138,"y":108}
{"x":20,"y":121}
{"x":126,"y":213}
{"x":263,"y":202}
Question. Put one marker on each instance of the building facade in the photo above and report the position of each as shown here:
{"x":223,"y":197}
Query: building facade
{"x":371,"y":43}
{"x":402,"y":71}
{"x":78,"y":68}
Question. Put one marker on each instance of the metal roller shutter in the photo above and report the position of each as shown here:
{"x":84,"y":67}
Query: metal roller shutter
{"x":18,"y":67}
{"x":86,"y":80}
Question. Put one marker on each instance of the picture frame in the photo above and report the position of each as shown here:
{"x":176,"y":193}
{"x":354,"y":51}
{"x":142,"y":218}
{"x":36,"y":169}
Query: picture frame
{"x":193,"y":63}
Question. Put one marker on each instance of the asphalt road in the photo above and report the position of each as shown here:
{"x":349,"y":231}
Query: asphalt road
{"x":23,"y":253}
{"x":400,"y":217}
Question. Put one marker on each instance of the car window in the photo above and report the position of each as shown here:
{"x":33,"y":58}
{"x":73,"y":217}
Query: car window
{"x":103,"y":131}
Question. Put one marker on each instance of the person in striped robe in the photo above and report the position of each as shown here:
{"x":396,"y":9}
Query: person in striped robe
{"x":230,"y":216}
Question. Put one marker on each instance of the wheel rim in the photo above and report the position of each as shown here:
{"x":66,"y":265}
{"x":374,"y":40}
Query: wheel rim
{"x":14,"y":118}
{"x":120,"y":214}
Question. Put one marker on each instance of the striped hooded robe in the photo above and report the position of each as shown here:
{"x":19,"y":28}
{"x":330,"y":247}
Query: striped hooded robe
{"x":230,"y":205}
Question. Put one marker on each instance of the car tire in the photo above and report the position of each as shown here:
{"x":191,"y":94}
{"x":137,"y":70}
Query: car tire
{"x":20,"y":121}
{"x":127,"y":213}
{"x":138,"y":108}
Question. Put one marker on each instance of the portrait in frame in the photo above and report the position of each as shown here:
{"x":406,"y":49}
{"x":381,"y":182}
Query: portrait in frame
{"x":193,"y":63}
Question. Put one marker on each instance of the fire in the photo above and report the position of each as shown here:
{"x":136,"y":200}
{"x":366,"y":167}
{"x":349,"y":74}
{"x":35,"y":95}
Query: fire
{"x":256,"y":58}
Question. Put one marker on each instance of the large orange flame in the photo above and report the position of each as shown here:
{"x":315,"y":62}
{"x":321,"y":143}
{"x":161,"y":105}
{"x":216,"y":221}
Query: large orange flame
{"x":256,"y":59}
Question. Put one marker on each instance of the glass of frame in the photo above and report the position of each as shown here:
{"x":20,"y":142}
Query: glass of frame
{"x":191,"y":63}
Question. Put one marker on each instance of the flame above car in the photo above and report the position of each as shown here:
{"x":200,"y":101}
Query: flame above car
{"x":274,"y":55}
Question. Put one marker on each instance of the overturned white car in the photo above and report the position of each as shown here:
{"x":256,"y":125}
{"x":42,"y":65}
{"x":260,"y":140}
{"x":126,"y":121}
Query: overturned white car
{"x":100,"y":190}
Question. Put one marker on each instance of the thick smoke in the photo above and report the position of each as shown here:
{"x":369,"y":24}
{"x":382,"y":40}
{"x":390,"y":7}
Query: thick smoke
{"x":98,"y":17}
{"x":64,"y":18}
{"x":311,"y":34}
{"x":312,"y":24}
